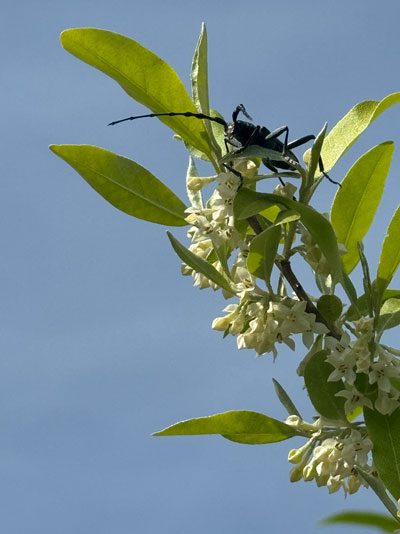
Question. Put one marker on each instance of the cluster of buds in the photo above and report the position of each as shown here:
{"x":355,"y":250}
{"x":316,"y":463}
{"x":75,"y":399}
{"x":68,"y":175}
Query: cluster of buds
{"x":262,"y":324}
{"x":334,"y":461}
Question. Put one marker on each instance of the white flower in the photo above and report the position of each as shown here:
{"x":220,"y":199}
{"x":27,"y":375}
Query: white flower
{"x":337,"y":347}
{"x":344,"y":367}
{"x":196,"y":183}
{"x":333,"y":462}
{"x":381,"y":373}
{"x":385,"y":403}
{"x":353,"y":399}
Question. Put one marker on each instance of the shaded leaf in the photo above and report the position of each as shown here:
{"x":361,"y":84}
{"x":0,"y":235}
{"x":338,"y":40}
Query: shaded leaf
{"x":321,"y":392}
{"x":330,"y":306}
{"x":379,"y":488}
{"x":287,"y":216}
{"x":370,"y":519}
{"x":248,"y":203}
{"x":384,"y":431}
{"x":125,"y":184}
{"x":143,"y":75}
{"x":199,"y":265}
{"x":286,"y":401}
{"x":362,"y":304}
{"x":242,"y":426}
{"x":351,"y":126}
{"x":263,"y":249}
{"x":356,"y":202}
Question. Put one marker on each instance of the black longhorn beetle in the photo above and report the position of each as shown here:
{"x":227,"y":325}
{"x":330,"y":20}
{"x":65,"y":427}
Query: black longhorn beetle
{"x":241,"y":134}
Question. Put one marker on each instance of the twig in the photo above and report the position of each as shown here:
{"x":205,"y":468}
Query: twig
{"x":286,"y":269}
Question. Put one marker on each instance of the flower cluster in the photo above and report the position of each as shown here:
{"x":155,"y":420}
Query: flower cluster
{"x":261,"y":319}
{"x":364,"y":356}
{"x":331,"y":461}
{"x":261,"y":324}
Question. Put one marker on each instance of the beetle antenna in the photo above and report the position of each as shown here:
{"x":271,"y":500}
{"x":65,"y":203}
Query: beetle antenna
{"x":240,"y":108}
{"x":172,"y":114}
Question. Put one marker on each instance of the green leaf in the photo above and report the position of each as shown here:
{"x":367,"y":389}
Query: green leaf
{"x":256,"y":151}
{"x":143,"y":75}
{"x":356,"y":202}
{"x":351,"y":126}
{"x":315,"y":154}
{"x":199,"y":77}
{"x":286,"y":401}
{"x":369,"y":290}
{"x":322,"y":393}
{"x":350,"y":290}
{"x":199,"y":265}
{"x":330,"y":306}
{"x":248,"y":203}
{"x":241,"y":426}
{"x":370,"y":519}
{"x":390,"y":255}
{"x":384,"y":431}
{"x":263,"y":249}
{"x":287,"y":216}
{"x":125,"y":184}
{"x":389,"y":316}
{"x":376,"y":484}
{"x":362,"y":304}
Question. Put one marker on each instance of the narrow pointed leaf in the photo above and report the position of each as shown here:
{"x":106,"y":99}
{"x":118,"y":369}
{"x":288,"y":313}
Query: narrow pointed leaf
{"x":376,"y":484}
{"x":242,"y":426}
{"x":351,"y":126}
{"x":286,"y":401}
{"x":356,"y":202}
{"x":199,"y":265}
{"x":263,"y":249}
{"x":143,"y":75}
{"x":382,"y":522}
{"x":384,"y":431}
{"x":315,"y":154}
{"x":248,"y":203}
{"x":390,"y":255}
{"x":322,"y":393}
{"x":199,"y":77}
{"x":125,"y":184}
{"x":199,"y":74}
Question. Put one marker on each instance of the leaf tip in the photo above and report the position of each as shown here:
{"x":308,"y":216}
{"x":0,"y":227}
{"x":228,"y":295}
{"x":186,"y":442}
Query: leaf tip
{"x":54,"y":148}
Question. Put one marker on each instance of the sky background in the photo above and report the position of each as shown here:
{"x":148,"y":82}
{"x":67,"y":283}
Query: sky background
{"x":102,"y":341}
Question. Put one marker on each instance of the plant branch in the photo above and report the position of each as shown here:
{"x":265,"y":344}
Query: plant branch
{"x":286,"y":270}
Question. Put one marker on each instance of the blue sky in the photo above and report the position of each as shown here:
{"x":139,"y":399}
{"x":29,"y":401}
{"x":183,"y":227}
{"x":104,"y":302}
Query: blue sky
{"x":103,"y":342}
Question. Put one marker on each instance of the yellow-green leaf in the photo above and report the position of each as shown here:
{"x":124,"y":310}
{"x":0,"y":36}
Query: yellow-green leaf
{"x":242,"y":426}
{"x":143,"y":75}
{"x":351,"y":126}
{"x":199,"y":265}
{"x":248,"y":203}
{"x":125,"y":184}
{"x":356,"y":202}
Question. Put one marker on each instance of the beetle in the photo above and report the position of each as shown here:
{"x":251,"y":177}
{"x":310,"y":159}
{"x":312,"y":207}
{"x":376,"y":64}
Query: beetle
{"x":241,"y":134}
